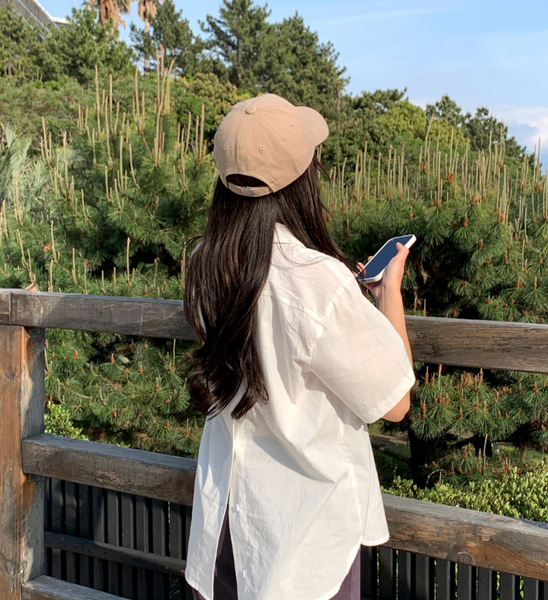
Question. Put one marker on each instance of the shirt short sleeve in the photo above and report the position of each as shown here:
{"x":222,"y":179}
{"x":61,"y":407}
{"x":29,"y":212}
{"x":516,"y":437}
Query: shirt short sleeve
{"x":360,"y":357}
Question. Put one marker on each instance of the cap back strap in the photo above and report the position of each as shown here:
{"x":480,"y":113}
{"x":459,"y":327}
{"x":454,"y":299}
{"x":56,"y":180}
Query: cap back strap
{"x":250,"y":192}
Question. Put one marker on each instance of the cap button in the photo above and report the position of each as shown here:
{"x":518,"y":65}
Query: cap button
{"x":250,"y":110}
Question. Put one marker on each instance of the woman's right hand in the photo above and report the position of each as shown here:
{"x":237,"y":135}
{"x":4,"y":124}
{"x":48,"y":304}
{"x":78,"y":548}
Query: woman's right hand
{"x":392,"y":276}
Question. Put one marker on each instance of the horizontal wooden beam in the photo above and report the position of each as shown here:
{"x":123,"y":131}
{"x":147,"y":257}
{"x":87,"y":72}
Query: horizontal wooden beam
{"x":458,"y":534}
{"x":476,"y":343}
{"x":147,"y":317}
{"x":468,"y":536}
{"x":48,"y":588}
{"x":159,"y":476}
{"x":126,"y":556}
{"x":459,"y":342}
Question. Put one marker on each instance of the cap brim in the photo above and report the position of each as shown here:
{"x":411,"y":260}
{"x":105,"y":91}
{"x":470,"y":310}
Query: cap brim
{"x":315,"y":123}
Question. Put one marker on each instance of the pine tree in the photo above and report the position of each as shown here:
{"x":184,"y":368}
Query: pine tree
{"x":301,"y":68}
{"x":238,"y":38}
{"x":81,"y":46}
{"x":113,"y":215}
{"x":171,"y":33}
{"x":482,"y":230}
{"x":20,"y":46}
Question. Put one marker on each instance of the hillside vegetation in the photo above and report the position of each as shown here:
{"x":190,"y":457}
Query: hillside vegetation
{"x":106,"y":175}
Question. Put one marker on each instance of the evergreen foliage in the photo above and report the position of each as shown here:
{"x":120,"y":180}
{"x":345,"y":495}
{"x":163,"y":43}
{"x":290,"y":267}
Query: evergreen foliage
{"x":82,"y":45}
{"x":238,"y":36}
{"x":72,"y":51}
{"x":482,"y":228}
{"x":105,"y":193}
{"x":172,"y":33}
{"x":21,"y":50}
{"x":111,"y":214}
{"x":514,"y":493}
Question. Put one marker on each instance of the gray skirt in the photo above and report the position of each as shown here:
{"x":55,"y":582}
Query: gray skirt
{"x":224,"y":583}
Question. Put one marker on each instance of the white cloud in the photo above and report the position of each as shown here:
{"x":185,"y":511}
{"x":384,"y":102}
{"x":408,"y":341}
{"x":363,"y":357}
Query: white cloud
{"x":534,"y":117}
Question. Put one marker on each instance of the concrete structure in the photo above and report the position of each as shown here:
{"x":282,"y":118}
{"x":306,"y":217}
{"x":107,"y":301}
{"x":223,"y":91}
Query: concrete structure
{"x":32,"y":10}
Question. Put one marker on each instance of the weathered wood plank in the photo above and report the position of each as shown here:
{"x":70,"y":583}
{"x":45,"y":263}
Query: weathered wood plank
{"x":468,"y":536}
{"x":113,"y":314}
{"x":475,"y":343}
{"x":127,"y":470}
{"x":48,"y":588}
{"x":21,"y":496}
{"x":462,"y":342}
{"x":118,"y":554}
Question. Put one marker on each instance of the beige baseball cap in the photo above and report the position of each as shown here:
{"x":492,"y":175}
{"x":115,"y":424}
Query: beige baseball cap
{"x":267,"y":138}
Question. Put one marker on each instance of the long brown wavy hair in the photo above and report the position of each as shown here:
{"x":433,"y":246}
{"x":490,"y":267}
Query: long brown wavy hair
{"x":225,"y":276}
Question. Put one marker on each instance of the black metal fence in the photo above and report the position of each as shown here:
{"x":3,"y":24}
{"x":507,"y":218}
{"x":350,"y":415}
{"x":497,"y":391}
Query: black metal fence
{"x":115,"y":542}
{"x":136,"y":547}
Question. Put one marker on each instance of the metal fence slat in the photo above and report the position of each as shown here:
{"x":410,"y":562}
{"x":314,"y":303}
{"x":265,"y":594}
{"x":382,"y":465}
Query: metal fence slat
{"x":176,"y":547}
{"x":404,"y":575}
{"x":387,"y":573}
{"x":507,"y":586}
{"x":85,"y":530}
{"x":424,"y":577}
{"x":113,"y":537}
{"x":127,"y":508}
{"x":369,"y":572}
{"x":487,"y":584}
{"x":99,"y":534}
{"x":158,"y":532}
{"x":445,"y":579}
{"x":57,"y":521}
{"x":531,"y":588}
{"x":142,"y":543}
{"x":466,"y":582}
{"x":71,"y":528}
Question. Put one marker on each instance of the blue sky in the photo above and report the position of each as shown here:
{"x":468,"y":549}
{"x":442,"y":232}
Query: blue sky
{"x":480,"y":52}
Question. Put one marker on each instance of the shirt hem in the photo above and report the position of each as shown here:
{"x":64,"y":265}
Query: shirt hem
{"x":194,"y":585}
{"x":375,"y":542}
{"x":329,"y":594}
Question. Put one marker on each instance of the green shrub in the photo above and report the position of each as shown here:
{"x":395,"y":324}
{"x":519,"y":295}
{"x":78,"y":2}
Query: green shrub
{"x":522,"y":495}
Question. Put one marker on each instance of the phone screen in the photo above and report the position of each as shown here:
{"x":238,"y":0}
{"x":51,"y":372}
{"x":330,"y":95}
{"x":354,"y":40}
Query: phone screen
{"x":383,"y":257}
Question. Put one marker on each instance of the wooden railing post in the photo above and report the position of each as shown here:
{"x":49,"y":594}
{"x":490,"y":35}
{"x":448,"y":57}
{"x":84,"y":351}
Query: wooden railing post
{"x":21,"y":496}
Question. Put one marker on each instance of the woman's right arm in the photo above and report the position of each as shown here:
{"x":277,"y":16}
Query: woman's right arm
{"x":389,"y":301}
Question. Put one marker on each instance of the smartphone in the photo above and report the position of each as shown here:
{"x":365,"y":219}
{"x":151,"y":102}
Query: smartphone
{"x":374,"y":269}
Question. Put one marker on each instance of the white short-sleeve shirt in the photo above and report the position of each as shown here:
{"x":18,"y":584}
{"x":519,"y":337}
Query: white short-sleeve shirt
{"x":299,"y":470}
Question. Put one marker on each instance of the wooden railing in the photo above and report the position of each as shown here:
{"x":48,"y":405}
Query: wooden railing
{"x":28,"y":455}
